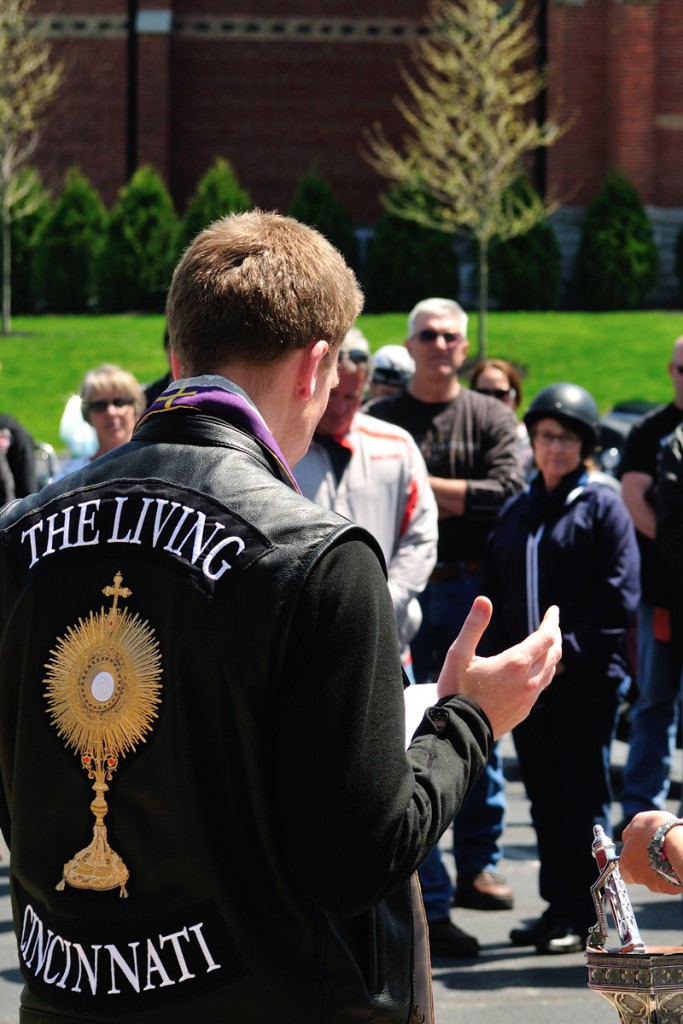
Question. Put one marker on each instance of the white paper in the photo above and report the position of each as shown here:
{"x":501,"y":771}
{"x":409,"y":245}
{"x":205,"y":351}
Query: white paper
{"x":417,"y":699}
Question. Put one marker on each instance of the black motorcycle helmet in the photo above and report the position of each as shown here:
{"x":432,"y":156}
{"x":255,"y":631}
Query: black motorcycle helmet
{"x":572,"y":406}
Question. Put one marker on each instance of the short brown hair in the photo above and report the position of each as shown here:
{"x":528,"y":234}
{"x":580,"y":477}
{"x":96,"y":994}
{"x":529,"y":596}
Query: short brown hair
{"x":253,"y":286}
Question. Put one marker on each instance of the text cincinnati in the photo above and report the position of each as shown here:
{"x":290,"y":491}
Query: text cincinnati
{"x":155,"y":962}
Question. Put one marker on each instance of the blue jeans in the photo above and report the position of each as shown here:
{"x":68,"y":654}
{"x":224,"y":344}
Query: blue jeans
{"x":445,"y":606}
{"x":477,"y":828}
{"x":479,"y":824}
{"x":653,"y":722}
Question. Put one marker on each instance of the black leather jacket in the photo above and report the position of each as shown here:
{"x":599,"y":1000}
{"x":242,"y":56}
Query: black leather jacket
{"x":178,"y":603}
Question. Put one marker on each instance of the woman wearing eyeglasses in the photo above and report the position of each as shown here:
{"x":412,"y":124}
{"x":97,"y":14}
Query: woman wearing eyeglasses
{"x":568,"y":540}
{"x":112,"y":401}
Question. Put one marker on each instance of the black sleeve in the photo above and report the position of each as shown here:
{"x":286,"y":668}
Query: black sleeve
{"x":670,"y":508}
{"x":359,"y":812}
{"x":500,"y":474}
{"x":22,"y":462}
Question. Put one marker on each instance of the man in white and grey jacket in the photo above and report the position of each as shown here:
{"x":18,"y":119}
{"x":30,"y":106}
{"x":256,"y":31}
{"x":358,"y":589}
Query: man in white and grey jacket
{"x":373,"y":474}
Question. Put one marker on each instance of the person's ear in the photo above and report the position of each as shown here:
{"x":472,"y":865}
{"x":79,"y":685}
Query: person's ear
{"x":313,"y":363}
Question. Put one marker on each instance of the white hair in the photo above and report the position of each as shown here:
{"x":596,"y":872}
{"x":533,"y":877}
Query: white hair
{"x":437,"y":307}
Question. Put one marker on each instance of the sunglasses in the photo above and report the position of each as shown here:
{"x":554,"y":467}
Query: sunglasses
{"x":357,"y":356}
{"x":428,"y":334}
{"x":500,"y":393}
{"x":102,"y":404}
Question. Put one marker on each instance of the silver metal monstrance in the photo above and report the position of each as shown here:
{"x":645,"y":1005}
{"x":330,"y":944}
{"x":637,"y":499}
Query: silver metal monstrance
{"x":643,"y":983}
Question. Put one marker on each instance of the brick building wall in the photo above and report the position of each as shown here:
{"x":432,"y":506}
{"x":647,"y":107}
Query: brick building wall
{"x":615,"y":68}
{"x":271,"y":92}
{"x":275,"y":85}
{"x":86,"y":124}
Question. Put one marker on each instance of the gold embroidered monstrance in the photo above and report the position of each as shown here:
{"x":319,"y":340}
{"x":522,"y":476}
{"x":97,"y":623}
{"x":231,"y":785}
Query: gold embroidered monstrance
{"x":103,"y":689}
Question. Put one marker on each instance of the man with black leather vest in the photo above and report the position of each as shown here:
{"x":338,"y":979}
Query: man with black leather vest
{"x":206,"y":792}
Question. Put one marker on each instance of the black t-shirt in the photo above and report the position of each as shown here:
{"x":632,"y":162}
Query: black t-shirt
{"x":643,"y":454}
{"x":340,"y":456}
{"x":472,"y":437}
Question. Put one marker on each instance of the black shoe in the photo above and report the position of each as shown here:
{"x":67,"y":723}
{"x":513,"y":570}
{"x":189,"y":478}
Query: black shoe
{"x":535,"y":931}
{"x":446,"y":939}
{"x":484,"y":891}
{"x":562,"y":940}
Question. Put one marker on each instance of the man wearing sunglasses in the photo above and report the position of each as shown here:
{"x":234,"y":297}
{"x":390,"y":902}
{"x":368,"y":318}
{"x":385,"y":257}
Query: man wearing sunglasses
{"x":374,"y":475}
{"x":470,"y":446}
{"x":653,"y":720}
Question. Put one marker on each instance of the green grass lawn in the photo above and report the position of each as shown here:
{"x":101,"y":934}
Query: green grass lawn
{"x":617,"y":356}
{"x":44,"y":359}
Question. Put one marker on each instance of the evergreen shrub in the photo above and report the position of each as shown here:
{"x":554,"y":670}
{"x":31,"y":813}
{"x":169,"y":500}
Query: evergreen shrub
{"x":678,"y":259}
{"x":136,"y":260}
{"x":617,"y":261}
{"x":67,"y":245}
{"x":525,"y":272}
{"x":316,"y":204}
{"x":218,"y":193}
{"x":27,"y":218}
{"x":406,"y":263}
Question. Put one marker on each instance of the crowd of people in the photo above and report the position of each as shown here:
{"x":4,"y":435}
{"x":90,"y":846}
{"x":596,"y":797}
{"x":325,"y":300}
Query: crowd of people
{"x":290,"y":531}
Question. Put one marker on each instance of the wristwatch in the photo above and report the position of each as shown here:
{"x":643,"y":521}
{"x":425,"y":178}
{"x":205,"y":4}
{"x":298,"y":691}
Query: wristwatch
{"x":659,"y":862}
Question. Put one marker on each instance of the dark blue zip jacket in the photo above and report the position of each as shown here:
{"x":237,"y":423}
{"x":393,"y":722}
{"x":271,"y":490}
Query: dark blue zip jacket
{"x":574,"y":547}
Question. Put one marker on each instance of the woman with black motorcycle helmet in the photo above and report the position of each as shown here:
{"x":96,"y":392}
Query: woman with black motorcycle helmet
{"x":566,"y":540}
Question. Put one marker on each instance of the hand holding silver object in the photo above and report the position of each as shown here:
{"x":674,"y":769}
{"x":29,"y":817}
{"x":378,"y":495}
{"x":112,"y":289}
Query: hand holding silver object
{"x":643,"y":983}
{"x":610,"y":887}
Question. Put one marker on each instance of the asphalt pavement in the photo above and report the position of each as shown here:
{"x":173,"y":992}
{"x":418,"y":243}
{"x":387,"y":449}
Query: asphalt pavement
{"x":10,"y":977}
{"x":504,"y":984}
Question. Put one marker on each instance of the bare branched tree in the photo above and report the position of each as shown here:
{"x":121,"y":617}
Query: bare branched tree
{"x":28,"y":83}
{"x":471,"y":124}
